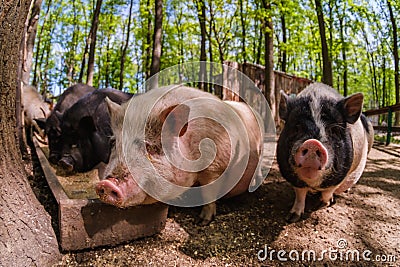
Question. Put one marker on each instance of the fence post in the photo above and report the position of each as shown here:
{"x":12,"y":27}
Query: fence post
{"x":389,"y":126}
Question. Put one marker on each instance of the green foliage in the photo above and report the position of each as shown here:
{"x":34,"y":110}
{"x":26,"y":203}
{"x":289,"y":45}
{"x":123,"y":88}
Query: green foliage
{"x":367,"y":40}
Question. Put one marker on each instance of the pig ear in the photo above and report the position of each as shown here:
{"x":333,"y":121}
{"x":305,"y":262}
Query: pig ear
{"x":283,"y":106}
{"x":352,"y":107}
{"x":178,"y":115}
{"x":116,"y":113}
{"x":113,"y":108}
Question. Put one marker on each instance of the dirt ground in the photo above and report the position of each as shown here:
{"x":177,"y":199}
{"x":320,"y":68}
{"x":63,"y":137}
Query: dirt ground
{"x":250,"y":229}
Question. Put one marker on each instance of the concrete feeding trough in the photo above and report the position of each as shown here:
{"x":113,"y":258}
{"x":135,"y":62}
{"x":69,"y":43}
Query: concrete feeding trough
{"x":85,"y":221}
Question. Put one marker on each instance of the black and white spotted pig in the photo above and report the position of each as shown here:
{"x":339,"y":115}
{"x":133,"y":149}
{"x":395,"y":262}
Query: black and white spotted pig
{"x":324,"y":144}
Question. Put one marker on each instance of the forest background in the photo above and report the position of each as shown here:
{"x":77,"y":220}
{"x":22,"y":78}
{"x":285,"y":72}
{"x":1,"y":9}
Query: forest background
{"x":111,"y":43}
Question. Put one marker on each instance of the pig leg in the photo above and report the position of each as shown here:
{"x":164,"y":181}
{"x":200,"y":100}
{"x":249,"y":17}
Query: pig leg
{"x":327,"y":197}
{"x":208,"y":213}
{"x":299,"y":204}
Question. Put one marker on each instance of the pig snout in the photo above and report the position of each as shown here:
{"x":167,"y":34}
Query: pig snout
{"x":67,"y":163}
{"x":109,"y":192}
{"x":121,"y":193}
{"x":311,"y":154}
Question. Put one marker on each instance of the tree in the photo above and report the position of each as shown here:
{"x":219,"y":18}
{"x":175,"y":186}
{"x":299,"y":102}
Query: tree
{"x":327,"y":75}
{"x":157,"y":41}
{"x":124,"y":49}
{"x":92,"y":43}
{"x":341,"y":17}
{"x":26,"y":235}
{"x":201,"y":14}
{"x":243,"y":26}
{"x":269,"y":58}
{"x":30,"y":40}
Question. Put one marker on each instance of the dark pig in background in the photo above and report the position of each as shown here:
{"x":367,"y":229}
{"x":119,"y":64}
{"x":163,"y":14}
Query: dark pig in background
{"x":324,"y":144}
{"x":86,"y":131}
{"x":53,"y":123}
{"x":121,"y":187}
{"x":35,"y":109}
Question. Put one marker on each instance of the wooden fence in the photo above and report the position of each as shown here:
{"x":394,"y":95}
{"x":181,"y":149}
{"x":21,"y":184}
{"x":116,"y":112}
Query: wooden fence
{"x":388,"y":126}
{"x":289,"y":83}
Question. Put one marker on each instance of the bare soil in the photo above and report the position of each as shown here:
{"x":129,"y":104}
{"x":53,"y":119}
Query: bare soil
{"x":365,"y":220}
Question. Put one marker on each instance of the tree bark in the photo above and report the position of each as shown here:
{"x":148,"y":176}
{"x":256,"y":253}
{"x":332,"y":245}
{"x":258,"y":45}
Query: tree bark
{"x":123,"y":56}
{"x":243,"y":25}
{"x":26,"y":235}
{"x":92,"y":43}
{"x":327,"y":75}
{"x":157,"y":43}
{"x":148,"y":43}
{"x":344,"y":52}
{"x":35,"y":81}
{"x":30,"y":40}
{"x":201,"y":14}
{"x":269,"y":59}
{"x":284,"y":41}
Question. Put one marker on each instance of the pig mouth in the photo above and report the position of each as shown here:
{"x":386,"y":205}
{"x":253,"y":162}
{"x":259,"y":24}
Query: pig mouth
{"x":309,"y":173}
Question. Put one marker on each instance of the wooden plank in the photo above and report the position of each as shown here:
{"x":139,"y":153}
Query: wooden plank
{"x":88,"y":223}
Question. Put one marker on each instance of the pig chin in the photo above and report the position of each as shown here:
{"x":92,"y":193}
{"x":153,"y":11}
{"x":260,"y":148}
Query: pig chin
{"x":309,"y":174}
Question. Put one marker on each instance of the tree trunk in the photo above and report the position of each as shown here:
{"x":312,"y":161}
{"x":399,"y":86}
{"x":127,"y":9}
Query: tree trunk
{"x":26,"y":235}
{"x":243,"y":25}
{"x":269,"y":60}
{"x":157,"y":43}
{"x":92,"y":43}
{"x":327,"y":75}
{"x":201,"y":13}
{"x":123,"y":56}
{"x":384,"y":91}
{"x":73,"y":48}
{"x":344,"y":51}
{"x":395,"y":57}
{"x":211,"y":57}
{"x":30,"y":40}
{"x":39,"y":41}
{"x":148,"y":43}
{"x":284,"y":40}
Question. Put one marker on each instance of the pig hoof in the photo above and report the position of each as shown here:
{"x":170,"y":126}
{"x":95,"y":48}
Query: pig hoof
{"x":205,"y":218}
{"x":293,"y":217}
{"x":203,"y":222}
{"x":332,"y":202}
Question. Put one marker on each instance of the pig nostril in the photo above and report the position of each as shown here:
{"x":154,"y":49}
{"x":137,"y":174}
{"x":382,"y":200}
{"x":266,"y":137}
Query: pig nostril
{"x":101,"y":191}
{"x":304,"y":152}
{"x":318,"y":153}
{"x":115,"y":194}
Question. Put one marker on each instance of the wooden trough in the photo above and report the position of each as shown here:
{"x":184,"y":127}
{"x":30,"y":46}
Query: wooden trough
{"x":85,"y":221}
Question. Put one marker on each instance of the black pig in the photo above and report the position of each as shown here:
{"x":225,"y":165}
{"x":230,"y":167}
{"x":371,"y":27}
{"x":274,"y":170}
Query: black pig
{"x":53,"y":123}
{"x":86,"y":130}
{"x":324,"y":144}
